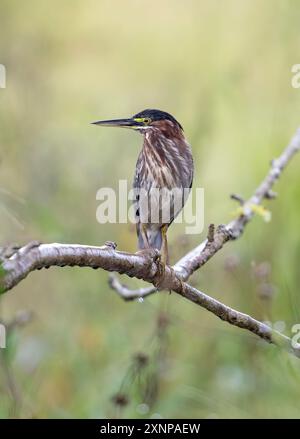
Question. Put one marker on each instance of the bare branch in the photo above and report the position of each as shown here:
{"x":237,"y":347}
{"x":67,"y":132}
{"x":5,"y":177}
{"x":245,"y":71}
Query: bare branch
{"x":236,"y":318}
{"x":220,"y":310}
{"x":233,"y":230}
{"x":26,"y":260}
{"x":127,"y":293}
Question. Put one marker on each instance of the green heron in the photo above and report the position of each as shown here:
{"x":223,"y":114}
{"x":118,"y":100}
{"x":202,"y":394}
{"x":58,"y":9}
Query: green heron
{"x":163,"y":175}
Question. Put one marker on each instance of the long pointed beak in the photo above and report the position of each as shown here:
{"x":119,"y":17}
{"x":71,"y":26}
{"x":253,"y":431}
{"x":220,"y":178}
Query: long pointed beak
{"x":124,"y":123}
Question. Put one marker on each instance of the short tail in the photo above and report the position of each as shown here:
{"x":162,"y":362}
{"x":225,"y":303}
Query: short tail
{"x":154,"y":238}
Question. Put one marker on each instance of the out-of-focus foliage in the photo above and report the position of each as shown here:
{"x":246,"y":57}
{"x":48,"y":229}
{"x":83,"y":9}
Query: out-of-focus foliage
{"x":224,"y":70}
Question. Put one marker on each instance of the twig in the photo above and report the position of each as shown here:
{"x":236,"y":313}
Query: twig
{"x":211,"y":233}
{"x":127,"y":293}
{"x":238,"y":198}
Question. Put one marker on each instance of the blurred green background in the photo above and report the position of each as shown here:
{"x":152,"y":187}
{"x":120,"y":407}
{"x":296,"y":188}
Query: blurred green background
{"x":224,"y":70}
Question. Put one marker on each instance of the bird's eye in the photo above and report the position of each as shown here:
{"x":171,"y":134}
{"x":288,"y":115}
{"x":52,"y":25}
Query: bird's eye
{"x":147,"y":120}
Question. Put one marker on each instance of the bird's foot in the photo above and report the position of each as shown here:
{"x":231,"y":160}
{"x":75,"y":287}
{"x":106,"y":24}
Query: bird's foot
{"x":161,"y":271}
{"x":160,"y":262}
{"x":153,"y":255}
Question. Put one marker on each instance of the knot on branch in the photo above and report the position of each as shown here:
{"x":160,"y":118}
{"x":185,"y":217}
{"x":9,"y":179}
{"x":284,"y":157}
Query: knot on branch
{"x":270,"y":195}
{"x":8,"y":251}
{"x":111,"y":244}
{"x":216,"y":237}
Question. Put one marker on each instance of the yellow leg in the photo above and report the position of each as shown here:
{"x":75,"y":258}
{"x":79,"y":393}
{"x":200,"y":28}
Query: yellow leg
{"x":164,"y":248}
{"x":144,"y":235}
{"x":164,"y":258}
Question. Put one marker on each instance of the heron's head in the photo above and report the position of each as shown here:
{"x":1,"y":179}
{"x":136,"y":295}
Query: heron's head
{"x":147,"y":121}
